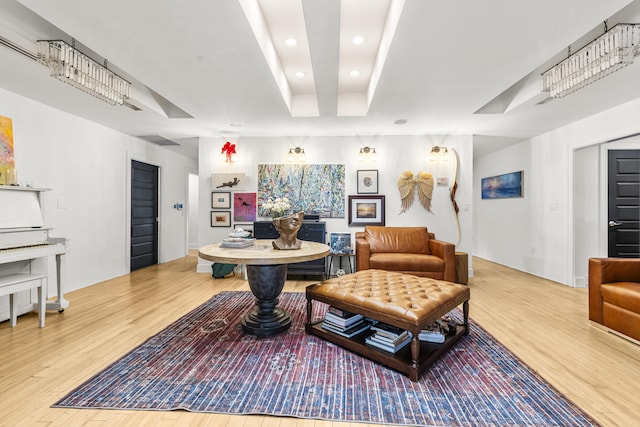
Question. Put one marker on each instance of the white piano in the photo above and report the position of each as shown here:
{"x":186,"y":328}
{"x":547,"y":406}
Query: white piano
{"x":26,"y":247}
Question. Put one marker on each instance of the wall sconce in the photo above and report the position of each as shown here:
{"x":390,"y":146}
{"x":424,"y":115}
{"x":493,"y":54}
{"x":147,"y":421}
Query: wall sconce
{"x":441,"y":152}
{"x":228,"y":152}
{"x":296,"y":155}
{"x":367,"y":153}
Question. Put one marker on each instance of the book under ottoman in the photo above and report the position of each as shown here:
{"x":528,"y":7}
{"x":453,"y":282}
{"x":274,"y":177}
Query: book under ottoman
{"x":408,"y":302}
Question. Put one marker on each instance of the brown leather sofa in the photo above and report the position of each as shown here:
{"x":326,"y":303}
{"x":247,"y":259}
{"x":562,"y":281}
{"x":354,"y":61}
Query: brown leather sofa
{"x":614,"y":294}
{"x":410,"y":250}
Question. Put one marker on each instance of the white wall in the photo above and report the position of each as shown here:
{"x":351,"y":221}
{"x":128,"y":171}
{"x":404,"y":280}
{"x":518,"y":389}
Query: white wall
{"x":396,"y":154}
{"x":540,"y":233}
{"x":87,"y":168}
{"x":193,"y":210}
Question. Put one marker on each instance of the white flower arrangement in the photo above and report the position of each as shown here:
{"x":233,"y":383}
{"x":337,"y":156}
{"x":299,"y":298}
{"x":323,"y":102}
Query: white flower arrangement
{"x":277,"y":207}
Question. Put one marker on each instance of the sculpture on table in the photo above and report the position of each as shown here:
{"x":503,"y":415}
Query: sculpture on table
{"x":288,"y":227}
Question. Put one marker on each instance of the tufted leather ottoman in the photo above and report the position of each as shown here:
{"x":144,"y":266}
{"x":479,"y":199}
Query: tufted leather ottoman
{"x":403,"y":300}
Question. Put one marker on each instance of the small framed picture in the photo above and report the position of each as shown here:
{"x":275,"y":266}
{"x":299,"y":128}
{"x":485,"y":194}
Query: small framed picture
{"x":368,"y":181}
{"x":341,"y":243}
{"x":244,"y":207}
{"x":366,"y":210}
{"x":221,"y":218}
{"x":220,"y":200}
{"x":228,"y":181}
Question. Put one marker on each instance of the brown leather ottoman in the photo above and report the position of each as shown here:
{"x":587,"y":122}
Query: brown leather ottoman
{"x":403,"y":300}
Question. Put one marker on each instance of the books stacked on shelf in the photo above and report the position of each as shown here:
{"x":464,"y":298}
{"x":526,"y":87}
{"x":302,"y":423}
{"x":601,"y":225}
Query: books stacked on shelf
{"x":344,"y":323}
{"x":388,"y":338}
{"x":437,"y":332}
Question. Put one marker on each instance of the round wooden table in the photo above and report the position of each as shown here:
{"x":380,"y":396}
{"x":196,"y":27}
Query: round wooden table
{"x":266,"y":273}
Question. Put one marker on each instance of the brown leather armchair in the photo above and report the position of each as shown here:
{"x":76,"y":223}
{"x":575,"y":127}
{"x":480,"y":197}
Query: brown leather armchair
{"x":614,"y":294}
{"x":410,"y":250}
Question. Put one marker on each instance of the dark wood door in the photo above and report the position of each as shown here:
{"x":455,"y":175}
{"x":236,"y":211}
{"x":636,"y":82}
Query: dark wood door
{"x":144,"y":215}
{"x":624,"y":200}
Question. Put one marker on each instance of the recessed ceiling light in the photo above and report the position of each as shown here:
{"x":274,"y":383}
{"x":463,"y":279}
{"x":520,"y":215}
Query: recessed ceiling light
{"x":358,"y":40}
{"x":235,"y":124}
{"x":291,"y":42}
{"x":400,"y":122}
{"x":300,"y":74}
{"x":354,"y":73}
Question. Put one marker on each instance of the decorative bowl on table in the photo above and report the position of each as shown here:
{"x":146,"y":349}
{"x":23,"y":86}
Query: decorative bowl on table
{"x":239,"y":233}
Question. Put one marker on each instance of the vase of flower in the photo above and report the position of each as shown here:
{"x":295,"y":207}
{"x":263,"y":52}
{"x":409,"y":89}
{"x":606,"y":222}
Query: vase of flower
{"x":278,"y":207}
{"x":288,"y":227}
{"x":286,"y":223}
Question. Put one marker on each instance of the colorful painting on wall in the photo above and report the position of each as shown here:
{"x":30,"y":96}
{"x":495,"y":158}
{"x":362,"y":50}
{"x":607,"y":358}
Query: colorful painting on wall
{"x":6,"y":148}
{"x":244,"y":207}
{"x":503,"y":186}
{"x":313,"y":189}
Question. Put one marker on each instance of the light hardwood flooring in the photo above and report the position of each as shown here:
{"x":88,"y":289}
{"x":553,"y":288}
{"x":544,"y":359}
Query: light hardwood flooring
{"x":544,"y":323}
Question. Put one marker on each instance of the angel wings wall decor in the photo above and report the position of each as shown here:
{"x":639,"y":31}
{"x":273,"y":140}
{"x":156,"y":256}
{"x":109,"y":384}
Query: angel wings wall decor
{"x":421,"y":184}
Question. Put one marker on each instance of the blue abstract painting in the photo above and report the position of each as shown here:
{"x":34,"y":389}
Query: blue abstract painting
{"x":313,"y":189}
{"x":503,"y":186}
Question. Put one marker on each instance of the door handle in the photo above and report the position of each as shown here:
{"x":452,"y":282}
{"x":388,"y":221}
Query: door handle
{"x":614,"y":223}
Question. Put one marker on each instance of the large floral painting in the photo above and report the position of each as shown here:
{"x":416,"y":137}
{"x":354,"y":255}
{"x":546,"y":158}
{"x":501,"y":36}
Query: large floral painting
{"x":314,"y":189}
{"x":6,"y":148}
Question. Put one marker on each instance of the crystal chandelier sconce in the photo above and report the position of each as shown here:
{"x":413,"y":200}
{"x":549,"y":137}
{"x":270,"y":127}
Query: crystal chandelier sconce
{"x":71,"y":66}
{"x":605,"y":55}
{"x":367,"y":154}
{"x":228,"y":153}
{"x":296,"y":155}
{"x":439,"y":152}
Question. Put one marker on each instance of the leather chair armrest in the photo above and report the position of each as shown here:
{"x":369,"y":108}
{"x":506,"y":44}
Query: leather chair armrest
{"x":608,"y":270}
{"x":363,"y":252}
{"x":446,"y":251}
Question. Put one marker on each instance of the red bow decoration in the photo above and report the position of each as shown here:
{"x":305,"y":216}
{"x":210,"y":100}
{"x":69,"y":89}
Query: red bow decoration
{"x":229,"y":149}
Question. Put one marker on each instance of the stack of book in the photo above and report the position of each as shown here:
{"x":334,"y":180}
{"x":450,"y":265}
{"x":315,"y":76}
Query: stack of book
{"x":388,"y":338}
{"x":237,"y":242}
{"x":344,"y":323}
{"x":438,"y":331}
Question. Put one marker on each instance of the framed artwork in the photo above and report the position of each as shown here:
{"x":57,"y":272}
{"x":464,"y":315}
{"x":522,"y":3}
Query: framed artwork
{"x":503,"y":186}
{"x":220,"y":218}
{"x":220,"y":200}
{"x":228,"y":181}
{"x":340,"y":243}
{"x":366,"y":210}
{"x":368,"y":181}
{"x":313,"y":189}
{"x":246,"y":226}
{"x":244,"y":207}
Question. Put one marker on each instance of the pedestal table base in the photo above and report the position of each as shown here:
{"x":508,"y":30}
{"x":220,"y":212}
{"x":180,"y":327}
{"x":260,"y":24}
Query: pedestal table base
{"x":266,"y":283}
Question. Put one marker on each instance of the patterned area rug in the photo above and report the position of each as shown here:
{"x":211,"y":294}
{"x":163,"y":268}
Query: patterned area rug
{"x":204,"y":363}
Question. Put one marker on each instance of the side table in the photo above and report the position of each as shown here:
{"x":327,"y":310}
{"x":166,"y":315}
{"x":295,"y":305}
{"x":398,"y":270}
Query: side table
{"x":340,"y":256}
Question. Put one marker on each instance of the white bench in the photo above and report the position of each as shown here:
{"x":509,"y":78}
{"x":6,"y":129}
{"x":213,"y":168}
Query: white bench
{"x":14,"y":283}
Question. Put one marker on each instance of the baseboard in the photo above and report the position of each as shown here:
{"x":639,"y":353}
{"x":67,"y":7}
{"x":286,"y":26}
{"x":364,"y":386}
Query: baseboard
{"x":203,"y":266}
{"x":614,"y":332}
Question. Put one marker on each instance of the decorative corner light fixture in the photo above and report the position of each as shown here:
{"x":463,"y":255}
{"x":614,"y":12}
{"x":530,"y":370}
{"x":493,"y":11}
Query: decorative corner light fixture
{"x":296,"y":155}
{"x":228,"y":152}
{"x":441,"y":152}
{"x":608,"y":53}
{"x":73,"y":67}
{"x":367,"y":153}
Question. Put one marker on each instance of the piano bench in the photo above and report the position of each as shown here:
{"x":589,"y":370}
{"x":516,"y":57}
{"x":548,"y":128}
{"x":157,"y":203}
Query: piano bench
{"x":14,"y":283}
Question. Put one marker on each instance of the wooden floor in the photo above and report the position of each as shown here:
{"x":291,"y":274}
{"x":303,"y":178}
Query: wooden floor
{"x":542,"y":322}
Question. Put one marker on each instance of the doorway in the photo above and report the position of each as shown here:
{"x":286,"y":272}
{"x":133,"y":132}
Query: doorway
{"x":624,"y":203}
{"x":144,"y":215}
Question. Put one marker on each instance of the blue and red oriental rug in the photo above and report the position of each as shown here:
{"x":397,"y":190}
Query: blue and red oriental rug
{"x":203,"y":362}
